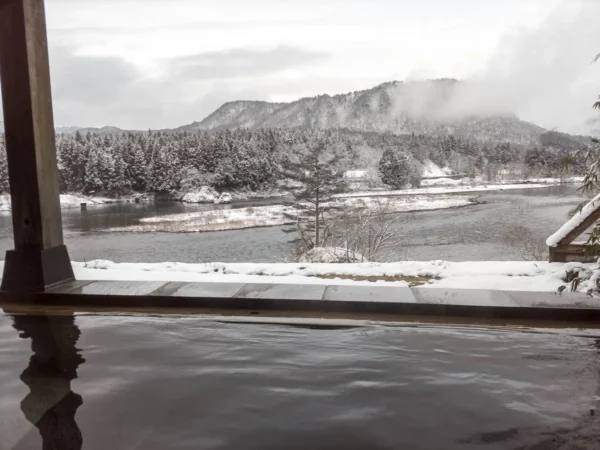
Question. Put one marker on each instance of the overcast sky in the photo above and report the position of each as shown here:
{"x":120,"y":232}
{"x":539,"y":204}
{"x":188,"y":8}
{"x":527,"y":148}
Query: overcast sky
{"x":165,"y":63}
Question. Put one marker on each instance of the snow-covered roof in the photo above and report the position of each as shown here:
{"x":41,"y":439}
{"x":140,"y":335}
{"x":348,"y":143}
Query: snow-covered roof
{"x":574,"y":222}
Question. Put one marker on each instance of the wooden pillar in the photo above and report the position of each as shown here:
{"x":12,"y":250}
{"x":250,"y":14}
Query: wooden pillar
{"x":39,"y":259}
{"x":555,"y":256}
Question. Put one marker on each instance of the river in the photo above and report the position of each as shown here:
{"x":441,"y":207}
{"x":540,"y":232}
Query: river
{"x":470,"y":233}
{"x":100,"y":382}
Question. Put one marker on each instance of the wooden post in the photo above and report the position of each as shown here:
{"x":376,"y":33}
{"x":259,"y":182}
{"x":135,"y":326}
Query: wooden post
{"x":40,"y":258}
{"x":555,"y":256}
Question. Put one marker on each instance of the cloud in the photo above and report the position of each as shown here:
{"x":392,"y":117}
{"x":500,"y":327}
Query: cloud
{"x":544,"y":74}
{"x":94,"y":80}
{"x":127,"y":71}
{"x":108,"y":90}
{"x":242,"y":62}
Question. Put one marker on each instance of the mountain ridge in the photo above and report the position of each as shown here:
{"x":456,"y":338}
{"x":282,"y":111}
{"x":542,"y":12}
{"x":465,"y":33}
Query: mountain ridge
{"x":430,"y":107}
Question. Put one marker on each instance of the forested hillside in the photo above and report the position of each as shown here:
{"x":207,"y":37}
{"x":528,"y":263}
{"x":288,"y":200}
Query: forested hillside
{"x":430,"y":107}
{"x":243,"y":159}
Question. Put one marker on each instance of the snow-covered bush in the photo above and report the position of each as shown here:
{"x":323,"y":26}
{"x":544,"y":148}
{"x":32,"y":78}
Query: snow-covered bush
{"x":331,"y":255}
{"x":224,"y":198}
{"x":206,"y":194}
{"x":579,"y":278}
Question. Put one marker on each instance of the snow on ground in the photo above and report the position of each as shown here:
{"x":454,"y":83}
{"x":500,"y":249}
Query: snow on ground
{"x":443,"y":182}
{"x":331,"y":255}
{"x":555,"y":180}
{"x":74,"y":201}
{"x":207,"y":194}
{"x":451,"y":186}
{"x":410,"y":203}
{"x":274,"y":215}
{"x":66,"y":201}
{"x":265,"y":193}
{"x":214,"y":220}
{"x":444,"y":190}
{"x":502,"y":275}
{"x":574,"y":222}
{"x":431,"y":169}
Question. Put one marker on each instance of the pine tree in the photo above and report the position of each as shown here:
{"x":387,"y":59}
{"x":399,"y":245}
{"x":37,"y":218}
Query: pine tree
{"x":119,"y":182}
{"x":316,"y":172}
{"x":135,"y":166}
{"x":253,"y":159}
{"x":163,"y":170}
{"x":106,"y":165}
{"x":396,"y":169}
{"x":72,"y":159}
{"x":93,"y":178}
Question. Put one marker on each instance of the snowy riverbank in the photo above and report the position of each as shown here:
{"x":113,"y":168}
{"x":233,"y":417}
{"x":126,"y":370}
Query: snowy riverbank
{"x":275,"y":215}
{"x":213,"y":220}
{"x":501,"y":275}
{"x":431,"y":187}
{"x":478,"y":181}
{"x":458,"y":189}
{"x":68,"y":201}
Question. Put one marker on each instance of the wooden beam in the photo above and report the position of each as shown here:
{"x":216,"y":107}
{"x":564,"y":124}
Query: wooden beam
{"x":580,"y":229}
{"x":571,"y":253}
{"x":40,"y":258}
{"x":572,"y":249}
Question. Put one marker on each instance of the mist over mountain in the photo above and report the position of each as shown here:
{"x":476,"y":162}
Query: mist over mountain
{"x":430,"y":107}
{"x":435,"y":108}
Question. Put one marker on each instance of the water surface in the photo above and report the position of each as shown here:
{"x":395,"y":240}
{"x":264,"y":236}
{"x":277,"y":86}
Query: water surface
{"x":98,"y":382}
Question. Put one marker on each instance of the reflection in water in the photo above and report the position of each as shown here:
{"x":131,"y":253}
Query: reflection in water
{"x":51,"y":404}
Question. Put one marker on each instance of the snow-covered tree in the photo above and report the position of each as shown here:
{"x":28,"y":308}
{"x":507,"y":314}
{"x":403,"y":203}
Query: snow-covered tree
{"x":252,"y":159}
{"x":135,"y":165}
{"x":163,"y":174}
{"x":93,"y":179}
{"x":397,"y":169}
{"x":119,"y":182}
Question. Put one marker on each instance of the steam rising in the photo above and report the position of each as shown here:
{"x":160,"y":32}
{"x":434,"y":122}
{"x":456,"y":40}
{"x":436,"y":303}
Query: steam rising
{"x":544,"y":75}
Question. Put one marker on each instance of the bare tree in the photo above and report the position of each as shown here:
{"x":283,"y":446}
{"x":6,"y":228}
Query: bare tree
{"x":527,"y":244}
{"x":360,"y":233}
{"x":373,"y":233}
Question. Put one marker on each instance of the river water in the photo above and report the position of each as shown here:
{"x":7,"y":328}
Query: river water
{"x":118,"y":382}
{"x":470,"y":233}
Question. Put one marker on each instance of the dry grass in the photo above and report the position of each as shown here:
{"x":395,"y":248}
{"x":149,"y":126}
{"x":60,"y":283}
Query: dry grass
{"x":412,"y":281}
